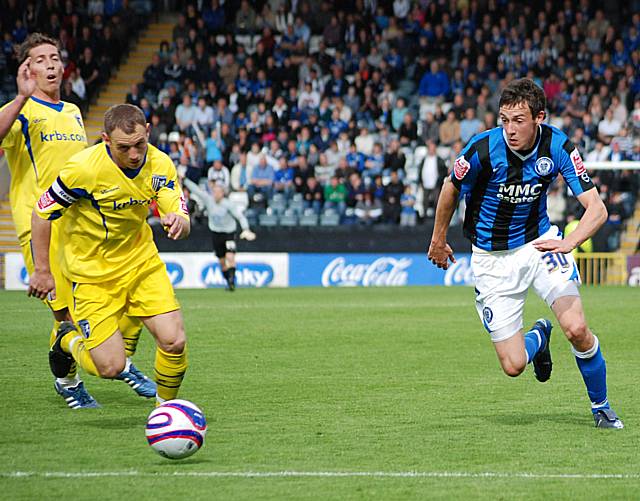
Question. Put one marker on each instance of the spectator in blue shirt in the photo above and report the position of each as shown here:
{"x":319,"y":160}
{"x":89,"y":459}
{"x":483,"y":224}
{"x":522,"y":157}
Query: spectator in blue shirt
{"x":112,"y":7}
{"x":301,"y":30}
{"x":470,"y":125}
{"x":355,"y":159}
{"x":375,"y":163}
{"x":243,"y":84}
{"x":397,"y":114}
{"x":337,"y":85}
{"x":336,"y":126}
{"x":434,"y":84}
{"x":323,"y":140}
{"x":283,"y":179}
{"x":408,"y":211}
{"x":213,"y":16}
{"x":262,"y":178}
{"x":260,"y":85}
{"x":214,"y":148}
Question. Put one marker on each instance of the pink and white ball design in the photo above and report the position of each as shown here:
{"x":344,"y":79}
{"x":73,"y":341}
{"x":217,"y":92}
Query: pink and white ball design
{"x":176,"y":429}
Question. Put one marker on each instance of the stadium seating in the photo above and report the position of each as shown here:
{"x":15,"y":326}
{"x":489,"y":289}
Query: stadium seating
{"x":309,"y":218}
{"x":289,"y":218}
{"x":268,"y":219}
{"x":329,"y":217}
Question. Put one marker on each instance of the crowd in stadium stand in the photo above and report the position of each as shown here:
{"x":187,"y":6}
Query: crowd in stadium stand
{"x":93,"y":35}
{"x":350,"y":112}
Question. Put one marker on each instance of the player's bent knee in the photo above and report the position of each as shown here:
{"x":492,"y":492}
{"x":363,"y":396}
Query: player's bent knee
{"x":513,"y":370}
{"x":577,"y":332}
{"x":175,"y":345}
{"x":110,"y":370}
{"x":513,"y":366}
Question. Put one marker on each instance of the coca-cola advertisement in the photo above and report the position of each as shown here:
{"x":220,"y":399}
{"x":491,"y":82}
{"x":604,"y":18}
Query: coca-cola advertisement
{"x":374,"y":270}
{"x":384,"y":271}
{"x":199,"y":270}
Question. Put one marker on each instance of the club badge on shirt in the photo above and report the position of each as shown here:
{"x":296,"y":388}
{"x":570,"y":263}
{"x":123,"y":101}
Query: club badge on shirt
{"x":158,"y":182}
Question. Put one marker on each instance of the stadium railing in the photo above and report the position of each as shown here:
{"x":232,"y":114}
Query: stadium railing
{"x":602,"y":268}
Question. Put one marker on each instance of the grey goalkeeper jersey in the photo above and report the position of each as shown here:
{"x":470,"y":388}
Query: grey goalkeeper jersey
{"x":223,"y":215}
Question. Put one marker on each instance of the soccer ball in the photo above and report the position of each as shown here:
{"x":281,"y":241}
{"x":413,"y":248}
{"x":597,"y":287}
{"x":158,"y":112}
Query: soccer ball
{"x":176,"y":429}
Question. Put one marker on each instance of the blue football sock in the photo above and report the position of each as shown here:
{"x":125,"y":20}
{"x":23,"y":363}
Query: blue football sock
{"x":533,"y":343}
{"x":594,"y":373}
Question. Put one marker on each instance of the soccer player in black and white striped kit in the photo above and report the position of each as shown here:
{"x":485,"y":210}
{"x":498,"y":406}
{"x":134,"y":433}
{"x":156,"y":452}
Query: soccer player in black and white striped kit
{"x":223,"y":216}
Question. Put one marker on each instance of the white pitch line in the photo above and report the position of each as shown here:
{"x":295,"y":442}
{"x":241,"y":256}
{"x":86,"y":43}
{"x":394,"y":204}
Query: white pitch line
{"x":319,"y":474}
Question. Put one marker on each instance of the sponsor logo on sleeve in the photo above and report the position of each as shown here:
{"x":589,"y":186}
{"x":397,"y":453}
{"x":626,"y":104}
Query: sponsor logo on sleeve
{"x":578,"y":164}
{"x":183,"y":206}
{"x":45,"y":201}
{"x":460,"y":168}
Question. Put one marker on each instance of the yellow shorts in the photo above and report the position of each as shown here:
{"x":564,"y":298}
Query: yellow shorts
{"x":98,"y":307}
{"x":63,"y":284}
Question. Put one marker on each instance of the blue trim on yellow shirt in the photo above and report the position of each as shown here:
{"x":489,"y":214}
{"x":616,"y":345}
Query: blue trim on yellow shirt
{"x":27,"y":141}
{"x":95,"y":205}
{"x":54,"y":106}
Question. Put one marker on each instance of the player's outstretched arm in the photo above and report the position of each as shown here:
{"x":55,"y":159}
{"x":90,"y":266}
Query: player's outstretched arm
{"x":177,"y":227}
{"x":593,"y":218}
{"x":26,"y":84}
{"x":246,"y":233}
{"x":41,"y":281}
{"x":440,"y":253}
{"x":199,"y":192}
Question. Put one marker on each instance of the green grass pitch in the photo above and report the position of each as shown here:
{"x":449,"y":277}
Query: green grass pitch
{"x":390,"y":393}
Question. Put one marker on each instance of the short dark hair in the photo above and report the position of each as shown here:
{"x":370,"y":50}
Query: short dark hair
{"x":32,"y":41}
{"x":524,"y":90}
{"x":124,"y":117}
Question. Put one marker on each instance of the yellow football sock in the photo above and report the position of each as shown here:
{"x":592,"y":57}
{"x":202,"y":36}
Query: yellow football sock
{"x":52,"y":337}
{"x":130,"y":327}
{"x":169,"y":369}
{"x":74,"y":343}
{"x":54,"y":332}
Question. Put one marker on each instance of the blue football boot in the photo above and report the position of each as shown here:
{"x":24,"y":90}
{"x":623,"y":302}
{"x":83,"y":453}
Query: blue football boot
{"x":77,"y":397}
{"x":140,"y":383}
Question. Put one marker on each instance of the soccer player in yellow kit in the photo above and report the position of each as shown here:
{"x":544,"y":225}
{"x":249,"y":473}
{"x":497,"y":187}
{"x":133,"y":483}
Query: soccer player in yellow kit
{"x":103,"y":195}
{"x":39,"y":133}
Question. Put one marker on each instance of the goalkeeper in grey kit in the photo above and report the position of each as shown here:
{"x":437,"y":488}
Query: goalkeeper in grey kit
{"x":223,"y":215}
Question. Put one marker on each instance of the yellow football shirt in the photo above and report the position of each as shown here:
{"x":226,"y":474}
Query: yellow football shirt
{"x":38,"y":144}
{"x":105,"y":208}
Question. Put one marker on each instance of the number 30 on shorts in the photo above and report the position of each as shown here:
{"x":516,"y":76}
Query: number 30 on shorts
{"x":555,"y":261}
